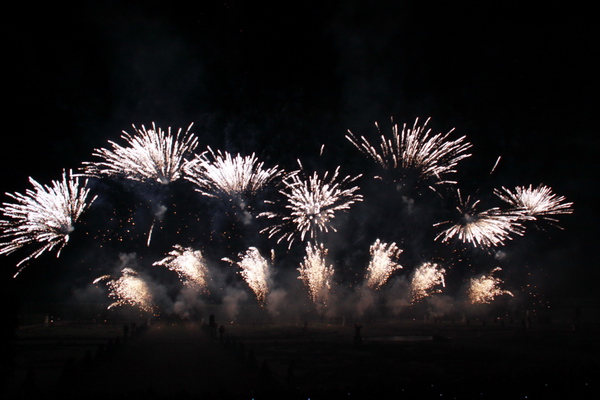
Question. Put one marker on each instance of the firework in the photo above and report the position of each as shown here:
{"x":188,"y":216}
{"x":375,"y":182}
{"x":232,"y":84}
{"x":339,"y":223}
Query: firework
{"x":43,"y":216}
{"x":484,"y":289}
{"x":312,"y":204}
{"x":129,"y":289}
{"x":430,"y":156}
{"x":189,"y":264}
{"x":256,"y":271}
{"x":426,"y":279}
{"x":221,"y":174}
{"x":382,"y":263}
{"x":316,"y":274}
{"x":152,"y":155}
{"x":490,"y":228}
{"x":537,"y":202}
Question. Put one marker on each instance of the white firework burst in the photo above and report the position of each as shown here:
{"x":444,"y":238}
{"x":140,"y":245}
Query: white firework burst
{"x":151,"y":155}
{"x":416,"y":149}
{"x":484,"y":289}
{"x":44,"y":216}
{"x":256,"y":271}
{"x":129,"y":289}
{"x":189,"y":264}
{"x":316,"y":274}
{"x":485,"y":229}
{"x":382,"y":264}
{"x":219,"y":174}
{"x":426,"y":280}
{"x":312,"y":205}
{"x":538,"y":202}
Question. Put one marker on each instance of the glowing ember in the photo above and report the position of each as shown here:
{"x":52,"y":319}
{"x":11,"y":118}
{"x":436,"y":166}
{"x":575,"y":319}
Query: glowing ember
{"x":382,"y":263}
{"x":152,"y":155}
{"x":426,"y":279}
{"x":431,"y":156}
{"x":256,"y":271}
{"x":313,"y":204}
{"x":484,"y":229}
{"x":484,"y":289}
{"x":44,"y":216}
{"x":189,"y":264}
{"x":316,"y":274}
{"x":129,"y":289}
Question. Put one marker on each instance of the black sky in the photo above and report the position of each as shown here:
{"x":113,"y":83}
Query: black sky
{"x":517,"y":78}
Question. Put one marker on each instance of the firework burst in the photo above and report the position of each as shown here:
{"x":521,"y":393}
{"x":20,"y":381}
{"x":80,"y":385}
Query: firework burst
{"x":415,"y":149}
{"x":152,"y":155}
{"x":129,"y":289}
{"x":538,"y":202}
{"x":484,"y":289}
{"x":382,"y":263}
{"x":256,"y":271}
{"x":218,"y":174}
{"x":43,"y":216}
{"x":485,"y":229}
{"x":316,"y":274}
{"x":426,"y":280}
{"x":189,"y":264}
{"x":312,"y":204}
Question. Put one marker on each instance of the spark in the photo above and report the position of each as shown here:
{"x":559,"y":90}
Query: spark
{"x":489,"y":228}
{"x":415,"y":149}
{"x":189,"y":264}
{"x":129,"y":289}
{"x":150,"y":234}
{"x":312,"y":204}
{"x":536,"y":202}
{"x":256,"y":271}
{"x":425,"y":280}
{"x":382,"y":263}
{"x":495,"y":165}
{"x":222,"y":174}
{"x":152,"y":155}
{"x":44,"y":216}
{"x":316,"y":274}
{"x":484,"y":289}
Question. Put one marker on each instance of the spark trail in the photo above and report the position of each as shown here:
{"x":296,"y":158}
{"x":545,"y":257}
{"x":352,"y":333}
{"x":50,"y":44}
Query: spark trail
{"x":152,"y":155}
{"x":485,"y":229}
{"x":312,"y":204}
{"x":43,"y":216}
{"x":256,"y":271}
{"x":431,"y":157}
{"x":189,"y":264}
{"x":382,"y":263}
{"x":426,"y":280}
{"x":129,"y":289}
{"x":316,"y":274}
{"x":484,"y":289}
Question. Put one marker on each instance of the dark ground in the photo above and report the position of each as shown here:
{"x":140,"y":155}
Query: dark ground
{"x":496,"y":359}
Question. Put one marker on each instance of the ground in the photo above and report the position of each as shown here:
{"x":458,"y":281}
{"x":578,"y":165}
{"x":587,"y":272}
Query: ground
{"x":410,"y":359}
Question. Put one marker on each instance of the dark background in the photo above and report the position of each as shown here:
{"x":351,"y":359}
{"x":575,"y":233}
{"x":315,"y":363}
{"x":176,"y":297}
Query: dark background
{"x":517,"y":78}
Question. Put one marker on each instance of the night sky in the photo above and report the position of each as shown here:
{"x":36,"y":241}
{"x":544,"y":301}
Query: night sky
{"x":519,"y":81}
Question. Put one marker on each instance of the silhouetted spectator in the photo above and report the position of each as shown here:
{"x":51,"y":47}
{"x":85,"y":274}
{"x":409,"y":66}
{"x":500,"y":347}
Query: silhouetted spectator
{"x":212,"y":326}
{"x":357,"y":335}
{"x":221,"y":332}
{"x":265,"y":371}
{"x":576,"y":318}
{"x":290,"y":374}
{"x":100,"y":352}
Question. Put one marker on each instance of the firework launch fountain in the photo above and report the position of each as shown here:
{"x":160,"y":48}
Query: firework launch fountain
{"x":302,"y":211}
